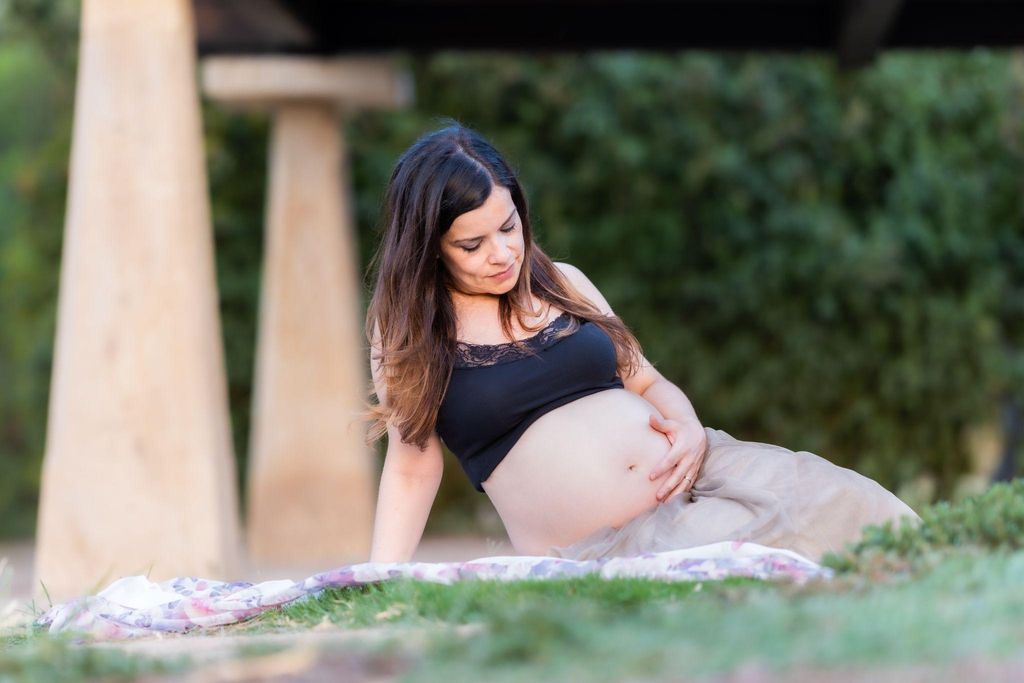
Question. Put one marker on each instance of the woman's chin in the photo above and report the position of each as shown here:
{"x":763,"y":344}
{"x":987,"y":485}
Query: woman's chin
{"x":490,"y":288}
{"x":508,"y":286}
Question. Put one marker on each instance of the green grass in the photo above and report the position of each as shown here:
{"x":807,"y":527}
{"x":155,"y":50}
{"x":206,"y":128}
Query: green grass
{"x":950,"y":589}
{"x":412,"y":603}
{"x":967,"y":606}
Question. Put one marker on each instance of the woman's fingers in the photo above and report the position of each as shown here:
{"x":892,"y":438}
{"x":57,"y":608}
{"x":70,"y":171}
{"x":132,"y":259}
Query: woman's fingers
{"x":660,"y":425}
{"x":681,"y":481}
{"x":690,"y":478}
{"x":668,"y":463}
{"x":671,"y":458}
{"x":677,"y":479}
{"x":683,"y":487}
{"x":683,"y":476}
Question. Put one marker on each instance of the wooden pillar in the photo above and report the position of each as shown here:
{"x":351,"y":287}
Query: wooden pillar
{"x":138,"y":475}
{"x":311,"y":476}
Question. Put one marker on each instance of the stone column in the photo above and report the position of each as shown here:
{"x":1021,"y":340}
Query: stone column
{"x":311,"y":480}
{"x":138,"y":475}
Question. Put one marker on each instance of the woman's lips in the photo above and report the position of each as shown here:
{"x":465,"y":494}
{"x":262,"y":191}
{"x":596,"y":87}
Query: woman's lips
{"x":505,"y":273}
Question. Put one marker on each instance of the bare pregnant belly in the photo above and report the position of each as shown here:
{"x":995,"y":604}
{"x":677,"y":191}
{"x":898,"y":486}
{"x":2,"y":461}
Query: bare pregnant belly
{"x":583,"y":466}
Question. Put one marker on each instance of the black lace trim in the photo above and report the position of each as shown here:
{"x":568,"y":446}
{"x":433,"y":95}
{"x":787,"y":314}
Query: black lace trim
{"x":480,"y":355}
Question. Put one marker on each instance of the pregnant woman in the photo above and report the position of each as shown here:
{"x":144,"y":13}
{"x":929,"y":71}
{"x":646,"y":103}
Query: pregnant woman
{"x":520,"y":367}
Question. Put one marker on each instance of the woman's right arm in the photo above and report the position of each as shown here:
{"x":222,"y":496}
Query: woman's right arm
{"x":408,"y":486}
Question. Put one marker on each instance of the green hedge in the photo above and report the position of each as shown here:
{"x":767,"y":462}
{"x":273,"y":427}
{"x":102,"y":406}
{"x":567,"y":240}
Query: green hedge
{"x":990,"y":521}
{"x":35,"y":131}
{"x":829,"y":261}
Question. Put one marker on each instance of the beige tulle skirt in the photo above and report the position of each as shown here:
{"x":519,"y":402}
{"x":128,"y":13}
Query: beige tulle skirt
{"x":750,"y":491}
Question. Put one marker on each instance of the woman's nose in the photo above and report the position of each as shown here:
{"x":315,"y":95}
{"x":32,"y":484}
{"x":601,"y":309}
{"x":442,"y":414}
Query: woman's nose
{"x":500,"y":254}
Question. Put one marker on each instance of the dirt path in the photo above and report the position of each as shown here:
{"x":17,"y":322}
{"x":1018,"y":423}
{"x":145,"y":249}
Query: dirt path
{"x":317,"y":654}
{"x":320,"y":657}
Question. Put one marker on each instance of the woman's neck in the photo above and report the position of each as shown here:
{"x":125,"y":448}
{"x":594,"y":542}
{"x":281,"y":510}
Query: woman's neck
{"x":474,"y":304}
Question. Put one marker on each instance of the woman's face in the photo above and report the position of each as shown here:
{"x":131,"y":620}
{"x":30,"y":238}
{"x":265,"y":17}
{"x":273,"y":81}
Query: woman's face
{"x":483,"y":250}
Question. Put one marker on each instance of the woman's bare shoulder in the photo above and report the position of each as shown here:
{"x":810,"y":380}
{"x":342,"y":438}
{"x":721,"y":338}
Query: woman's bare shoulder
{"x":584,"y":286}
{"x":570,"y":271}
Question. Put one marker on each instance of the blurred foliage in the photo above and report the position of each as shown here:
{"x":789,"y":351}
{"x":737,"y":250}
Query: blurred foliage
{"x":993,"y":520}
{"x":51,"y":26}
{"x":830,"y":261}
{"x":36,"y":97}
{"x":236,"y":154}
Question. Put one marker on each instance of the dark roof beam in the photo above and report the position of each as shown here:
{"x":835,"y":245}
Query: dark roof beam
{"x":864,"y":25}
{"x":250,"y":26}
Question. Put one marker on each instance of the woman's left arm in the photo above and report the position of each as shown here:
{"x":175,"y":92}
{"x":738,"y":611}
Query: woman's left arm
{"x":679,"y":423}
{"x":675,"y":416}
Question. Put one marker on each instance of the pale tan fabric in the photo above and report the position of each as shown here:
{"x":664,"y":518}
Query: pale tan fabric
{"x":751,"y":491}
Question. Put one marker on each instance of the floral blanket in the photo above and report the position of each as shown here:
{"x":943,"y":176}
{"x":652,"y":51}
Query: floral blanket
{"x":134,"y":606}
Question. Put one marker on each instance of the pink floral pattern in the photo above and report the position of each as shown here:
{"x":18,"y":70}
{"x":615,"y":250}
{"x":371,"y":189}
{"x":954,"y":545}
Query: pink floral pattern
{"x":134,"y":606}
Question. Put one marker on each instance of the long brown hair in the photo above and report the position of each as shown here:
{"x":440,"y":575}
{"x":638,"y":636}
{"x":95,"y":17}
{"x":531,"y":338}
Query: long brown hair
{"x":411,"y":320}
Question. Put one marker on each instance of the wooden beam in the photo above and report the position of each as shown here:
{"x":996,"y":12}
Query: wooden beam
{"x":569,"y":26}
{"x":862,"y":30}
{"x":233,"y":26}
{"x":264,"y":82}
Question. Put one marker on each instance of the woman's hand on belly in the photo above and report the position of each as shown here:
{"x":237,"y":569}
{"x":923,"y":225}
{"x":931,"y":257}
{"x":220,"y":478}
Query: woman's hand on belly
{"x":685,"y":456}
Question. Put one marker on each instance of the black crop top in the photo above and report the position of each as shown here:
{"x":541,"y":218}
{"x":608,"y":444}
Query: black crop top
{"x":497,"y":391}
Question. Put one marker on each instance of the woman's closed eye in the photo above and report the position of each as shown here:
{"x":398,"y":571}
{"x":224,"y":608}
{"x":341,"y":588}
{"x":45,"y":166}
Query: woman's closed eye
{"x":477,"y":245}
